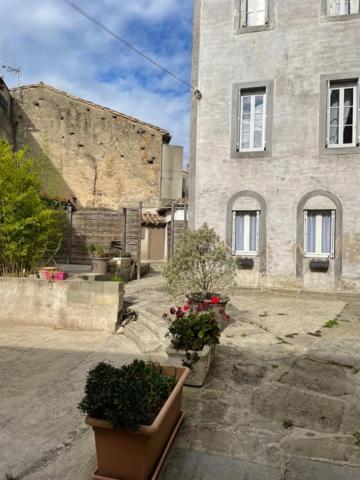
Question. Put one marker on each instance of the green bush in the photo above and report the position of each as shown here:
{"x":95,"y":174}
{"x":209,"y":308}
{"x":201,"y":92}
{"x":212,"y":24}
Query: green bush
{"x":194,"y":330}
{"x":126,"y":397}
{"x":200,"y":266}
{"x":30,"y":230}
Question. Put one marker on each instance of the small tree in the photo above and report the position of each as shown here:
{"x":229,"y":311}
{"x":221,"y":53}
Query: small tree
{"x":30,"y":231}
{"x":201,"y":265}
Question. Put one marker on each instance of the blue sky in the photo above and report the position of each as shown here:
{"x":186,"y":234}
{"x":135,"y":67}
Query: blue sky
{"x":54,"y":44}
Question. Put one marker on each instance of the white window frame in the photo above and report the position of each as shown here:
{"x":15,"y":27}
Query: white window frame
{"x":257,"y":11}
{"x":342,"y":86}
{"x":253,"y":94}
{"x":246,"y":252}
{"x":332,"y":8}
{"x":318,"y":235}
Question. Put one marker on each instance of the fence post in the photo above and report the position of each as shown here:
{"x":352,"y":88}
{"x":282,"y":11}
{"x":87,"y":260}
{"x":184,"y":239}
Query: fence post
{"x":186,"y":214}
{"x":139,"y":243}
{"x":125,"y":227}
{"x":172,"y":228}
{"x":69,"y":209}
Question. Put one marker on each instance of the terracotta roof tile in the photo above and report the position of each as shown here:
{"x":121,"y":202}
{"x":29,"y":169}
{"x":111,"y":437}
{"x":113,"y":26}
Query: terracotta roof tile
{"x":153,"y":219}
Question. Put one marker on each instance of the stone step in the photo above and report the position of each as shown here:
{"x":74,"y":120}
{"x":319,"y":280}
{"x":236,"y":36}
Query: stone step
{"x":153,"y":322}
{"x":143,"y":337}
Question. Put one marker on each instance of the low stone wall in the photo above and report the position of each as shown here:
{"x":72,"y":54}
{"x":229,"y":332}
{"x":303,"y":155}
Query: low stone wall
{"x":70,"y":305}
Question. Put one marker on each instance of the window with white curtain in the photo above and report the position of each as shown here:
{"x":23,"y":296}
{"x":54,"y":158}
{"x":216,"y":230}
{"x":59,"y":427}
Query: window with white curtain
{"x":319,"y":233}
{"x":252,"y":120}
{"x":246,"y":232}
{"x":343,"y":7}
{"x":255,"y":12}
{"x":342,"y":122}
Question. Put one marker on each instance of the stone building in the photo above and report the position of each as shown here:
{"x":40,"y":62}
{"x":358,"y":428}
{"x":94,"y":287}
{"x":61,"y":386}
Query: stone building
{"x":93,"y":155}
{"x":275,"y":155}
{"x":6,"y":127}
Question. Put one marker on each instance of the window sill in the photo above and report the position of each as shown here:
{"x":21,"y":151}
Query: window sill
{"x":340,"y":18}
{"x":252,"y":154}
{"x":258,"y":28}
{"x":340,"y":150}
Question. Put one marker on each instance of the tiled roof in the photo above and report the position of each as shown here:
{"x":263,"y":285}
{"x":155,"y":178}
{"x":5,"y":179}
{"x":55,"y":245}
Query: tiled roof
{"x":153,"y":219}
{"x":92,"y":104}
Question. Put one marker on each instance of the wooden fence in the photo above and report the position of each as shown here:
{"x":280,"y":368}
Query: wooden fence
{"x":98,"y":227}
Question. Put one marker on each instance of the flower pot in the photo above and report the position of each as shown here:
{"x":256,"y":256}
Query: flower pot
{"x":47,"y":273}
{"x":99,"y":265}
{"x":60,"y":276}
{"x":126,"y":455}
{"x":199,"y":370}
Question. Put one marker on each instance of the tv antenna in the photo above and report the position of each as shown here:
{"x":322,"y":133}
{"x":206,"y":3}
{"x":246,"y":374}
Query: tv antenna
{"x":15,"y":70}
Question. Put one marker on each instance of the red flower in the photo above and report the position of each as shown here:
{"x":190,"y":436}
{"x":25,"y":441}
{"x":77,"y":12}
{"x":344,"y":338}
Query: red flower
{"x":185,"y":308}
{"x":214,"y":300}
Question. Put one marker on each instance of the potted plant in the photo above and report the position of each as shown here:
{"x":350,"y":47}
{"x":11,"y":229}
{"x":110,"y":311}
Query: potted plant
{"x":135,"y":412}
{"x":99,"y":255}
{"x":193,"y":336}
{"x":202,"y":270}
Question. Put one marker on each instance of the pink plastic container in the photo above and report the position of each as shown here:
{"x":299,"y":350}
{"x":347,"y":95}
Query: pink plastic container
{"x":59,"y":276}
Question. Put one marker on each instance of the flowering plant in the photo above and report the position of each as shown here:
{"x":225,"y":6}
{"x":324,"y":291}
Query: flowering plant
{"x":191,"y":330}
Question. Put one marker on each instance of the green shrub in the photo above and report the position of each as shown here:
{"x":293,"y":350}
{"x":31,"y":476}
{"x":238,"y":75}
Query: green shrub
{"x":96,"y":250}
{"x":192,"y":331}
{"x":126,"y":397}
{"x":200,"y":266}
{"x":30,"y":230}
{"x":331,"y":323}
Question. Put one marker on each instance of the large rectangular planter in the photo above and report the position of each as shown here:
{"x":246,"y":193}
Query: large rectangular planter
{"x":199,"y":370}
{"x":127,"y":455}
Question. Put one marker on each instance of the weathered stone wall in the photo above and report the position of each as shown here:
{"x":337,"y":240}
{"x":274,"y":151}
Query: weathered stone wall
{"x":69,"y":305}
{"x":6,"y":130}
{"x":298,"y":48}
{"x":102,"y":158}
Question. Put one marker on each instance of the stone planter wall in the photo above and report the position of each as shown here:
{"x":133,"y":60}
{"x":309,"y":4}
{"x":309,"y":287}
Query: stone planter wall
{"x":199,"y":370}
{"x":70,"y":304}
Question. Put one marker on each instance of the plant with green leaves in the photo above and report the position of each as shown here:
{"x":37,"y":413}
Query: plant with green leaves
{"x":191,"y":331}
{"x":98,"y":250}
{"x":30,"y":230}
{"x":201,"y":266}
{"x":126,"y":397}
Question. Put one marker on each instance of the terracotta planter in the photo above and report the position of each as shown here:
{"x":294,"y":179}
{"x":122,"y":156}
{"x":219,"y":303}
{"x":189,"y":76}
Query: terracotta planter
{"x":99,"y":265}
{"x":127,"y":455}
{"x":199,"y":370}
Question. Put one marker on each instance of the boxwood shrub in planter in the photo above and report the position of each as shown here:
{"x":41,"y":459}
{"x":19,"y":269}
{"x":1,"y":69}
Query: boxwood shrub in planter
{"x":193,"y":337}
{"x":135,"y":412}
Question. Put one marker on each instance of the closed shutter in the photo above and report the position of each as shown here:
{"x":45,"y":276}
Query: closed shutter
{"x":354,"y":6}
{"x":332,"y":7}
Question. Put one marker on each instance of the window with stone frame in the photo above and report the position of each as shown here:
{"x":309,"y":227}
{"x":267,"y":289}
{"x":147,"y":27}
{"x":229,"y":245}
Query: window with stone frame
{"x":251,"y":120}
{"x":343,"y":7}
{"x":319,"y":233}
{"x":343,"y":113}
{"x":245,"y":237}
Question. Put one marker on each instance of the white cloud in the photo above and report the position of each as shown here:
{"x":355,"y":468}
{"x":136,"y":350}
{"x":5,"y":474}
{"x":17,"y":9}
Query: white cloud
{"x":54,"y":44}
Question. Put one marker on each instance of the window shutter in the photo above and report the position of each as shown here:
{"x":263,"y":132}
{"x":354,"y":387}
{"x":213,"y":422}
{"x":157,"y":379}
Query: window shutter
{"x":238,"y":119}
{"x":266,"y":12}
{"x":333,"y":218}
{"x":354,"y":6}
{"x":265,"y":120}
{"x":305,"y":232}
{"x":328,"y":97}
{"x":258,"y":231}
{"x":233,"y":239}
{"x":332,"y":8}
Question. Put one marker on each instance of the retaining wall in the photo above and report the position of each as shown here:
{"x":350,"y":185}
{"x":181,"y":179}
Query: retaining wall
{"x":71,"y":304}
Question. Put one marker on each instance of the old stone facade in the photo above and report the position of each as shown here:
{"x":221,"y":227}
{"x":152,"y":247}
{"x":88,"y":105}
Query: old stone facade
{"x":93,"y":155}
{"x":275,"y":155}
{"x":6,"y":127}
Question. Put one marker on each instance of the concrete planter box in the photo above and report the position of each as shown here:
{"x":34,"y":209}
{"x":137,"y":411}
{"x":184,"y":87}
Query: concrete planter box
{"x":69,"y":305}
{"x":218,"y":308}
{"x":199,"y":370}
{"x":99,"y":265}
{"x":126,"y":455}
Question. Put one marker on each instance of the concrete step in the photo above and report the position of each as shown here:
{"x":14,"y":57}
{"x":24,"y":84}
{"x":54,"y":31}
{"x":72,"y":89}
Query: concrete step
{"x":153,"y":322}
{"x":143,"y":337}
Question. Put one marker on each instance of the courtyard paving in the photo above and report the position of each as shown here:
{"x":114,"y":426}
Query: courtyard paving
{"x":281,"y":402}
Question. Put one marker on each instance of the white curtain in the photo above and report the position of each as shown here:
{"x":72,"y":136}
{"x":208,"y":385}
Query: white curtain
{"x":253,"y":221}
{"x":239,"y":232}
{"x":311,"y":233}
{"x":326,"y":233}
{"x":354,"y":6}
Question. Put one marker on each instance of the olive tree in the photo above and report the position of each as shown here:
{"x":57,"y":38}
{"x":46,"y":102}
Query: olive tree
{"x":201,"y":265}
